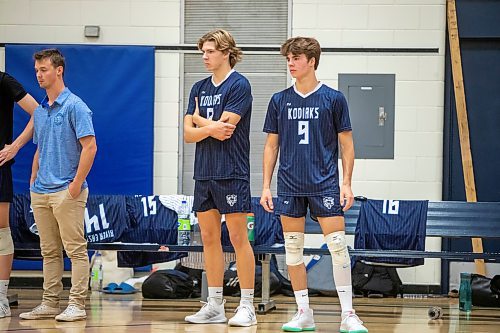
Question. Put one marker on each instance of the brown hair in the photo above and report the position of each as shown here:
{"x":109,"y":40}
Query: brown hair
{"x":55,"y":56}
{"x":302,"y":45}
{"x":224,"y":42}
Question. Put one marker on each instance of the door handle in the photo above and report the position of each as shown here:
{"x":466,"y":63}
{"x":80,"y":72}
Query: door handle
{"x":382,"y":116}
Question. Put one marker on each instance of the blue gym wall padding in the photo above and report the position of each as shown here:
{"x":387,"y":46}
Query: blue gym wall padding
{"x":117,"y":83}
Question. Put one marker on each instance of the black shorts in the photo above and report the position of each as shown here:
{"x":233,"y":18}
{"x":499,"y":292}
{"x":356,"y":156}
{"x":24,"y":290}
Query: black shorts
{"x":226,"y":195}
{"x":6,"y":187}
{"x":319,"y":206}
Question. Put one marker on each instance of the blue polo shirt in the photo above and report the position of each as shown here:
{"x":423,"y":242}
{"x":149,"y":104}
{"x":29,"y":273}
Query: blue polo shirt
{"x":58,"y":129}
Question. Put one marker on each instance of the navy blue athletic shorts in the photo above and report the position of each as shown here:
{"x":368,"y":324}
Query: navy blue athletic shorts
{"x":6,"y":187}
{"x":319,"y":206}
{"x":226,"y":195}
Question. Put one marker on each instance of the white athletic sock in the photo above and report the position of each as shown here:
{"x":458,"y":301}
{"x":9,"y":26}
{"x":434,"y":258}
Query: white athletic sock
{"x":341,"y":275}
{"x":345,"y":297}
{"x":343,"y":283}
{"x":247,"y":297}
{"x":4,"y":286}
{"x":215,"y":295}
{"x":302,"y":299}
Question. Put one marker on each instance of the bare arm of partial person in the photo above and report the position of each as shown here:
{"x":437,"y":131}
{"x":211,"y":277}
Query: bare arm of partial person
{"x":28,"y":104}
{"x":271,"y":149}
{"x":89,"y":149}
{"x":347,"y":149}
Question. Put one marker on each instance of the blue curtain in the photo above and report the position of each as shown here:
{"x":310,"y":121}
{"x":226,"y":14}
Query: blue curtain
{"x":117,"y":83}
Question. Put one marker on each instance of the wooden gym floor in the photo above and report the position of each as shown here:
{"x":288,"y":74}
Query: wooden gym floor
{"x":131,"y":313}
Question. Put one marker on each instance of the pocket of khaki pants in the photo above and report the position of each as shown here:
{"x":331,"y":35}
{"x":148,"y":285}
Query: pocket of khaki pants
{"x":69,"y":194}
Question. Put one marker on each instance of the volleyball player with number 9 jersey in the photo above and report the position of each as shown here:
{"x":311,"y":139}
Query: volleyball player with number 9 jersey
{"x":306,"y":124}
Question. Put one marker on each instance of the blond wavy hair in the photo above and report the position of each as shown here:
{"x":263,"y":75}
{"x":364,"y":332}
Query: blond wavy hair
{"x":224,"y":42}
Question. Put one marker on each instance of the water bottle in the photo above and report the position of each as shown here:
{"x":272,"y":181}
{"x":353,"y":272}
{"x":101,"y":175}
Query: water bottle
{"x":251,"y":227}
{"x":96,"y":273}
{"x":465,"y":293}
{"x":435,"y":312}
{"x":183,"y":224}
{"x":196,"y":235}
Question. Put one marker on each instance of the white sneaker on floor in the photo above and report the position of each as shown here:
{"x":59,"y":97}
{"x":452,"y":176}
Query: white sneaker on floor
{"x":4,"y":308}
{"x":302,"y":321}
{"x":212,"y":328}
{"x":72,"y":313}
{"x":210,"y":313}
{"x":351,"y":323}
{"x":244,"y":317}
{"x":40,"y":312}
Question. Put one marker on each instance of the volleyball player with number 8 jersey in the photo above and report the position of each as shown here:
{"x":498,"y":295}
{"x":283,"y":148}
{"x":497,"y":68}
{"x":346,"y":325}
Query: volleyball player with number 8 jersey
{"x":218,"y":121}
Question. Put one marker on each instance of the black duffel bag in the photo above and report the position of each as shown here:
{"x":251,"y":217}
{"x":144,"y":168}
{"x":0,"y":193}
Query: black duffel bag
{"x":485,"y":291}
{"x":168,"y":283}
{"x":375,"y":279}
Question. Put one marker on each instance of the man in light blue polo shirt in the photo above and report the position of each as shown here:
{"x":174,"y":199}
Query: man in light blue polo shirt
{"x":66,"y":149}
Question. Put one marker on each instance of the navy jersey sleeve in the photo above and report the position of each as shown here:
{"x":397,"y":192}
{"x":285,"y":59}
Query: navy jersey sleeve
{"x":240,"y":98}
{"x":341,"y":113}
{"x":191,"y":103}
{"x":12,"y":88}
{"x":271,"y":122}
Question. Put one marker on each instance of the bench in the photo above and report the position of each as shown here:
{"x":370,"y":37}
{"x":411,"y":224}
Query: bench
{"x":448,"y":219}
{"x":444,"y":219}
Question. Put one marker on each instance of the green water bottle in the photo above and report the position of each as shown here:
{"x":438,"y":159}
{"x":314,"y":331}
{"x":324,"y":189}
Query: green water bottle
{"x":465,"y":293}
{"x":251,"y":227}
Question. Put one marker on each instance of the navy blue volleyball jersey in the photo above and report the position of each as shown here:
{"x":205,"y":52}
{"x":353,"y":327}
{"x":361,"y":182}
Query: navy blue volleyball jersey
{"x":105,"y":218}
{"x":228,"y":159}
{"x":23,"y":227}
{"x":392,"y":225}
{"x":308,"y":127}
{"x":268,"y":229}
{"x":151,"y":222}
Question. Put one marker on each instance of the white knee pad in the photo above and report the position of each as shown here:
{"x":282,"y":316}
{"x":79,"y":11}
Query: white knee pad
{"x":294,"y":248}
{"x":338,"y":248}
{"x":6,"y":243}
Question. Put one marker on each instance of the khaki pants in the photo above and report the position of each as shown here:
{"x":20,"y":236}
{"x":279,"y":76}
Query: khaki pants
{"x":60,"y":222}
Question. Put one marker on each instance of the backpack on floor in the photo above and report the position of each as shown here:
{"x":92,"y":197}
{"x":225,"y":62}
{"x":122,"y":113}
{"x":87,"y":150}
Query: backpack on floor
{"x":374,"y":279}
{"x":485,"y":291}
{"x":168,"y":283}
{"x":196,"y":275}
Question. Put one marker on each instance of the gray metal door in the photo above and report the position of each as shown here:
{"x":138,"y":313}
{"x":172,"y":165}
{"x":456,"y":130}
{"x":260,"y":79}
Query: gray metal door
{"x":371,"y":107}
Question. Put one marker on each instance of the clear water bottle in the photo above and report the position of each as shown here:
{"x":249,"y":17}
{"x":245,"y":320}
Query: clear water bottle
{"x":251,"y":227}
{"x":183,"y":224}
{"x":465,"y":293}
{"x":96,"y":273}
{"x":435,"y":312}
